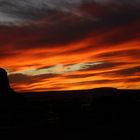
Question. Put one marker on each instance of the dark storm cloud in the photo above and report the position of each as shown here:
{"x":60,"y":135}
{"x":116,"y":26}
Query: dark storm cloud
{"x":66,"y":26}
{"x":28,"y":79}
{"x":20,"y":78}
{"x":19,"y":11}
{"x":22,"y":12}
{"x":122,"y":33}
{"x":62,"y":33}
{"x":65,"y":33}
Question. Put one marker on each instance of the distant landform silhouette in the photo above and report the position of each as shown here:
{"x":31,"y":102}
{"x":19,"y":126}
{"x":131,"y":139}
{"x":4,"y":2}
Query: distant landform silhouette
{"x":7,"y":94}
{"x":101,"y":112}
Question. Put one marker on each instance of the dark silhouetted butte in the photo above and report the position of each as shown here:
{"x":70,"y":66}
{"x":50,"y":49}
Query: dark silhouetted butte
{"x":4,"y":83}
{"x":7,"y":94}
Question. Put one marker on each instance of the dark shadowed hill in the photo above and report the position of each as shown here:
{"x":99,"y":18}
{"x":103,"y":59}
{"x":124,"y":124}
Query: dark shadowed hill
{"x":100,"y":113}
{"x":97,"y":113}
{"x":83,"y":95}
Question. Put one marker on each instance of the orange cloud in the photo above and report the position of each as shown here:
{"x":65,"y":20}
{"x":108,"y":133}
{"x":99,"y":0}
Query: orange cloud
{"x":32,"y":53}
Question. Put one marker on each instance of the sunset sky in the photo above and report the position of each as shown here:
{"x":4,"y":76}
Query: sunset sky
{"x":48,"y":45}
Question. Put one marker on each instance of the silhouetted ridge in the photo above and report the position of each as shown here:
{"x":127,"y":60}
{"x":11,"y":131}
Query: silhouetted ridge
{"x":102,"y":112}
{"x":7,"y":94}
{"x":106,"y":89}
{"x":4,"y":82}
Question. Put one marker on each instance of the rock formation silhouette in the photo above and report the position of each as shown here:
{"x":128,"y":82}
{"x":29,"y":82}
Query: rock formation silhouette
{"x":4,"y":83}
{"x":7,"y":94}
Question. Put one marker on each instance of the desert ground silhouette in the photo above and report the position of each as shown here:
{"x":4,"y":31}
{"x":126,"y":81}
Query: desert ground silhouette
{"x":83,"y":114}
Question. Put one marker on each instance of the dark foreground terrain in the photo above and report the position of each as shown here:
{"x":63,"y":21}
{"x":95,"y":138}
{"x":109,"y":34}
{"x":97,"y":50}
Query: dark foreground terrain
{"x":102,"y":113}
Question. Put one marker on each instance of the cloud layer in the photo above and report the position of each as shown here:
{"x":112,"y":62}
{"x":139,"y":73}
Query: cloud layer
{"x":19,"y":12}
{"x":68,"y":45}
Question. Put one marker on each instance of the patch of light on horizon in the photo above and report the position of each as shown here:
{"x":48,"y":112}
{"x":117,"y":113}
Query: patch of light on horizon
{"x":60,"y":69}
